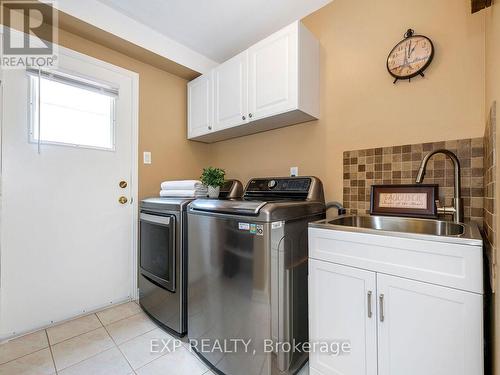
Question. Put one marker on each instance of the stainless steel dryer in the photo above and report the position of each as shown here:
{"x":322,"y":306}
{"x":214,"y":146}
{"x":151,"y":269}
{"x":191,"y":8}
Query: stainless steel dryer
{"x":162,"y":259}
{"x":247,"y":271}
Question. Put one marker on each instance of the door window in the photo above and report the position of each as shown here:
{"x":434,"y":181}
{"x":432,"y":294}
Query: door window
{"x":71,"y":111}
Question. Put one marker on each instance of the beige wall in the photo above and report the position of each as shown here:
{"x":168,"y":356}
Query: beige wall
{"x":162,"y":118}
{"x":360,"y":106}
{"x":493,"y":94}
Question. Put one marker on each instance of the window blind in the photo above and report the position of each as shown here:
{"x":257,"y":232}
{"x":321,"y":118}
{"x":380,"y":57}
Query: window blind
{"x":75,"y":81}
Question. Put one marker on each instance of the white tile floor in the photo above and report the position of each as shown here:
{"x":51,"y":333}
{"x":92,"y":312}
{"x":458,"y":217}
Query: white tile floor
{"x":116,"y":341}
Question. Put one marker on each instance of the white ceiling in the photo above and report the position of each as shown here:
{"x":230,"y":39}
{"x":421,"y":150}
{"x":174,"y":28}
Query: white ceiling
{"x":217,"y":29}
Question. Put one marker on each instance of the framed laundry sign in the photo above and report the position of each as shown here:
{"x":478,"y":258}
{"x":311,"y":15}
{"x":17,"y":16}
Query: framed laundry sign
{"x":417,"y":200}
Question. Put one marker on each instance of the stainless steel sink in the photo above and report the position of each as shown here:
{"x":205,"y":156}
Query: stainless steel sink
{"x":433,"y":227}
{"x":435,"y":230}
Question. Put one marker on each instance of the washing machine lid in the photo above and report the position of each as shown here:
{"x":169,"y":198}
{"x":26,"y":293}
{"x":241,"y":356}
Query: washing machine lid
{"x":233,"y":207}
{"x":165,"y":204}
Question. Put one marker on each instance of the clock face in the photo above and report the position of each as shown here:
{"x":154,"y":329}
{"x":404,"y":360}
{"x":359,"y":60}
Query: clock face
{"x":410,"y":57}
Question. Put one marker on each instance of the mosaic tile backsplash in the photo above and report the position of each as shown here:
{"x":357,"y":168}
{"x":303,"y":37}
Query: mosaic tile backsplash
{"x":489,"y":193}
{"x":400,"y":164}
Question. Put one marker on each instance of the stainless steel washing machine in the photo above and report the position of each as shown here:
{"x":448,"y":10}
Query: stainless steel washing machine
{"x":247,"y":272}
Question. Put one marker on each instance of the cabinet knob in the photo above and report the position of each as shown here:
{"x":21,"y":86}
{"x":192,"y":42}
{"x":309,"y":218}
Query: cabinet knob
{"x":209,"y":128}
{"x":243,"y":118}
{"x":250,"y":115}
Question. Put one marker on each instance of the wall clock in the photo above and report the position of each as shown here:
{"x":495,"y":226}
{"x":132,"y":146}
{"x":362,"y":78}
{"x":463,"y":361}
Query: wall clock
{"x":410,"y":57}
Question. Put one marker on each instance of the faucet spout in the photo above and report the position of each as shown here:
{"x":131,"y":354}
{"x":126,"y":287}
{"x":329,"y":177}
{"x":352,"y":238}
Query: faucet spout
{"x":457,"y":209}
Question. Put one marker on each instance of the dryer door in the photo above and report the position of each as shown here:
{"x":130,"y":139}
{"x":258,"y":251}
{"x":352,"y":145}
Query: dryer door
{"x":157,"y":249}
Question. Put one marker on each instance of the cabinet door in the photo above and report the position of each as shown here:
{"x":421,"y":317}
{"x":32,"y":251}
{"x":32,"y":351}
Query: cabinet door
{"x":428,"y":329}
{"x":199,"y":106}
{"x":273,"y":74}
{"x":230,"y":81}
{"x":342,"y":307}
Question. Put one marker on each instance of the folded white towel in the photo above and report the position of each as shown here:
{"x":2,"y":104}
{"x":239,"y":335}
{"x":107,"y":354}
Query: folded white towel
{"x":182,"y":185}
{"x":184,"y":193}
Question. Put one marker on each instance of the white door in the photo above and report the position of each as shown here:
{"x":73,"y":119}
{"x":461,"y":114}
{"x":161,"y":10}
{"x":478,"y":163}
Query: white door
{"x":428,"y":329}
{"x":273,"y":74}
{"x":199,"y":106}
{"x":67,"y":244}
{"x":342,"y":307}
{"x":231,"y":92}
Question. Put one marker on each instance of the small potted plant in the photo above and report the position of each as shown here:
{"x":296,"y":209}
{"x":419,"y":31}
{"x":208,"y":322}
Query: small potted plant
{"x":213,"y":179}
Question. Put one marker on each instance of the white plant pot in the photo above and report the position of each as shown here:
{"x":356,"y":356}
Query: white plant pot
{"x":213,"y":192}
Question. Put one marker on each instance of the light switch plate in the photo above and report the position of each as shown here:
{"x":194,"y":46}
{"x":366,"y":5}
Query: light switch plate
{"x":147,"y":157}
{"x":294,"y":171}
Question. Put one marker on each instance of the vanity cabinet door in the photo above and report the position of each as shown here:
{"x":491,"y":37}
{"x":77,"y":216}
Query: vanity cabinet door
{"x":342,"y":307}
{"x":200,"y":106}
{"x":231,"y":93}
{"x":428,"y":329}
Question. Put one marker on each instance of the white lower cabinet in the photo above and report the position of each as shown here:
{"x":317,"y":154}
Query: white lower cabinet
{"x":395,"y":325}
{"x":428,"y":329}
{"x":342,"y":306}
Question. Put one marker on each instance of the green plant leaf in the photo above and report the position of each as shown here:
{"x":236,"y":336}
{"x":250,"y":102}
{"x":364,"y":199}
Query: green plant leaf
{"x":213,"y":176}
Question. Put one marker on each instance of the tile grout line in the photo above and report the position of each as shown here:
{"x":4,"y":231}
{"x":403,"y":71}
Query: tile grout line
{"x":129,"y":316}
{"x":164,"y":354}
{"x":95,"y":355}
{"x":73,"y":337}
{"x":51,"y":354}
{"x":116,"y":345}
{"x":92,"y":330}
{"x":76,"y":363}
{"x":25,"y":355}
{"x":156,"y":327}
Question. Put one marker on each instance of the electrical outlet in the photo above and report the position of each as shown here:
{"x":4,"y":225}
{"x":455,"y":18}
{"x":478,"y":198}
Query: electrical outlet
{"x":294,"y":171}
{"x":147,"y":157}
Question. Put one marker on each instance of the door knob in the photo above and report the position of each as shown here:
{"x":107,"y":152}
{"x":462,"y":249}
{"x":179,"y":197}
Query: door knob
{"x":123,"y":184}
{"x":122,"y":200}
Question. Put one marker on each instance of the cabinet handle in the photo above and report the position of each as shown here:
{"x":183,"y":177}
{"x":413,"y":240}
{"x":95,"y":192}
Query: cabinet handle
{"x":209,"y":128}
{"x":250,"y":115}
{"x":369,"y":297}
{"x":381,"y":301}
{"x":243,"y":118}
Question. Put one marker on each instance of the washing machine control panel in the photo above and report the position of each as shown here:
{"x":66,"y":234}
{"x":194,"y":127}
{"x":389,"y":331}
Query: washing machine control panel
{"x":276,"y":185}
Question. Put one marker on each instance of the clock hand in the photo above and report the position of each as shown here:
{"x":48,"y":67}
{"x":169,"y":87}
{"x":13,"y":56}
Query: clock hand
{"x":413,"y":49}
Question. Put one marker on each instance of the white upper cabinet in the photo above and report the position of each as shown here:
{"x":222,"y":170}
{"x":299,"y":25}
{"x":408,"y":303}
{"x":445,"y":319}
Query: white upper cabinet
{"x":274,"y":83}
{"x":273,"y":78}
{"x":199,"y":106}
{"x":231,"y":93}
